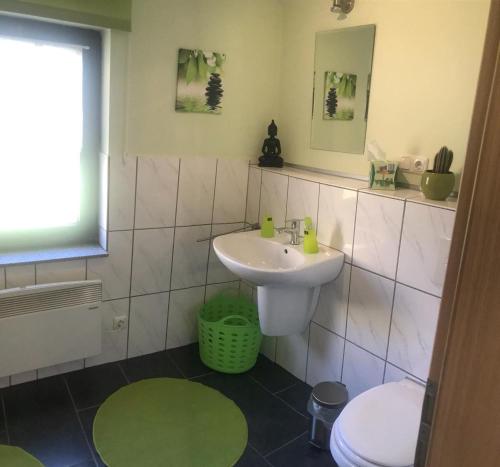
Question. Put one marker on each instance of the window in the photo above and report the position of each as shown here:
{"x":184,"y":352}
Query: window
{"x":50,"y":77}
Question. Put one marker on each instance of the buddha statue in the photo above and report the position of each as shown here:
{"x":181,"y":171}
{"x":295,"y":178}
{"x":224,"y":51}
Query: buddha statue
{"x":271,"y":149}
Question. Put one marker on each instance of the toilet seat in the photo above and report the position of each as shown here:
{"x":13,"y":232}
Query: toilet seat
{"x":379,"y":428}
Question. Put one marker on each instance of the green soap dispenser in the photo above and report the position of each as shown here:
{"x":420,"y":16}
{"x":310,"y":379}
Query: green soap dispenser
{"x":267,"y":228}
{"x":310,"y":240}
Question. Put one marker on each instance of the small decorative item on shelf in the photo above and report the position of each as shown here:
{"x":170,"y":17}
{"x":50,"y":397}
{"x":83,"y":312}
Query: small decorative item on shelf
{"x":271,"y":149}
{"x":383,"y":174}
{"x":438,"y":183}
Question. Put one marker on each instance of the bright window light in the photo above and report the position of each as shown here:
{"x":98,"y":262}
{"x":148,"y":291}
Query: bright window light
{"x":40,"y":134}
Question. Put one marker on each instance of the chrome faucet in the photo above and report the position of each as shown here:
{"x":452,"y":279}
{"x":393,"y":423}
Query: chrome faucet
{"x":294,"y":230}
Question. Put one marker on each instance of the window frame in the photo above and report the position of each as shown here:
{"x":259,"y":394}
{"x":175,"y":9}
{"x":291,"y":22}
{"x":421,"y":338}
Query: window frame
{"x":86,"y":231}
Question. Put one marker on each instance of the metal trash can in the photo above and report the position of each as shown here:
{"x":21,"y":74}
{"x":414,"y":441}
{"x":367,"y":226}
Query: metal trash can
{"x":325,"y":404}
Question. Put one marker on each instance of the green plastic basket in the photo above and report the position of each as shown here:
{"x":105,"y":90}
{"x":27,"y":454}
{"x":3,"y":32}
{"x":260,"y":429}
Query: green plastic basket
{"x":229,"y":333}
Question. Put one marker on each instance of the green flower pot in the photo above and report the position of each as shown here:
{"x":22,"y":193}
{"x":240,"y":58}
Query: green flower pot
{"x":437,"y":186}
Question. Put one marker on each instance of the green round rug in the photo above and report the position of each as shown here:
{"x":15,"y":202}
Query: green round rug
{"x":169,"y":422}
{"x":16,"y":457}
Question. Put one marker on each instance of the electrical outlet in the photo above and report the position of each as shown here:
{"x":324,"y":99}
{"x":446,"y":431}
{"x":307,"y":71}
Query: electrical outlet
{"x":420,"y":164}
{"x":119,"y":322}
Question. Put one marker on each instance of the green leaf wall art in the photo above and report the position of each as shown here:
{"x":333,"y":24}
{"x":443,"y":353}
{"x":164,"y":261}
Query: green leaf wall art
{"x":199,"y":81}
{"x":340,"y":89}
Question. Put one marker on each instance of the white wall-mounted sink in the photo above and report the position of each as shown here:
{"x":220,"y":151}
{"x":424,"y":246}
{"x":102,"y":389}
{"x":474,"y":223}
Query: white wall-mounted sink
{"x":287,"y":279}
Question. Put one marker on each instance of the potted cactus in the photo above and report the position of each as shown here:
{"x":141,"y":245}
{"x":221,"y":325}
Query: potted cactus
{"x":438,"y":183}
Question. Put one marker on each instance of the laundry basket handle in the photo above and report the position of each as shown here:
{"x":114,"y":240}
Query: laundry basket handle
{"x":244,"y":320}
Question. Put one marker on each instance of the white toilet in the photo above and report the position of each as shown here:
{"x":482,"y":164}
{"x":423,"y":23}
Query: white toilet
{"x":379,"y":428}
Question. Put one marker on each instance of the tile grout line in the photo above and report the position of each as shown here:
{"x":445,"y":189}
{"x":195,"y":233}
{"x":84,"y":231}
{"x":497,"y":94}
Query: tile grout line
{"x":349,"y":288}
{"x":285,"y":389}
{"x":89,"y":444}
{"x":394,"y":291}
{"x":132,"y":256}
{"x":286,"y":212}
{"x":394,"y":280}
{"x":179,"y":168}
{"x":211,"y":230}
{"x":260,"y":197}
{"x":284,"y":445}
{"x":277,"y":397}
{"x":246,"y":198}
{"x":259,"y":454}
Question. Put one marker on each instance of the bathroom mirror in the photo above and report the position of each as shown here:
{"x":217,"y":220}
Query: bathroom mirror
{"x":342,"y":74}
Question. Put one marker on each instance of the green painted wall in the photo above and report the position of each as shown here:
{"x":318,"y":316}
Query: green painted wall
{"x":248,"y":32}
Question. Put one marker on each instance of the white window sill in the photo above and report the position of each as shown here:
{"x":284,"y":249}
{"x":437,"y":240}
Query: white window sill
{"x":52,"y":254}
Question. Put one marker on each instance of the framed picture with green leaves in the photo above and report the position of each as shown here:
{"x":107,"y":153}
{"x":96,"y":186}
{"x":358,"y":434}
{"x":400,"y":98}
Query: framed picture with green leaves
{"x":340,"y":92}
{"x":199,"y":81}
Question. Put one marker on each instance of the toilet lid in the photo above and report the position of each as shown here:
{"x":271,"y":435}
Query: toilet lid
{"x":381,"y":425}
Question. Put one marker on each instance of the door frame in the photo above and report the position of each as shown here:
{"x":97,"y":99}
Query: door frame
{"x":461,"y":416}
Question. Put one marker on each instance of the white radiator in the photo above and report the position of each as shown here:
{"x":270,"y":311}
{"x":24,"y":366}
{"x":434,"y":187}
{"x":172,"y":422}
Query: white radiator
{"x":45,"y":325}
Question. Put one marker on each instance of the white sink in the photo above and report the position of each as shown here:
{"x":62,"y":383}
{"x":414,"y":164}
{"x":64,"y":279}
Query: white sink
{"x":288,"y":280}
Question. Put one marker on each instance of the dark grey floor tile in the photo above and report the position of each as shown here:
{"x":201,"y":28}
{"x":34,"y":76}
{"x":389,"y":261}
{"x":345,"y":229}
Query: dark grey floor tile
{"x":271,"y":423}
{"x":251,"y":458}
{"x":188,"y":360}
{"x":35,"y":399}
{"x":91,"y":386}
{"x":297,"y":397}
{"x":41,"y":419}
{"x":87,"y":418}
{"x":300,"y":453}
{"x":272,"y":376}
{"x":89,"y":463}
{"x":154,"y":365}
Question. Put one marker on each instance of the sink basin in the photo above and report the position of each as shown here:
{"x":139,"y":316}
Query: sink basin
{"x":288,"y":280}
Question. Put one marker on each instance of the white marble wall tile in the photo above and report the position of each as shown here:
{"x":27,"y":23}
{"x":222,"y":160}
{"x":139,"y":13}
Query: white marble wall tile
{"x":19,"y":276}
{"x":152,"y":260}
{"x":122,"y":192}
{"x":148,"y":324}
{"x":2,"y":278}
{"x":336,"y":217}
{"x":273,"y":197}
{"x":302,"y":200}
{"x":217,"y":272}
{"x":413,"y":330}
{"x":25,"y":377}
{"x":394,"y":374}
{"x":230,"y":190}
{"x":291,"y":353}
{"x":61,"y":271}
{"x":190,"y":257}
{"x":114,"y":342}
{"x":361,"y":370}
{"x":425,"y":246}
{"x":196,"y":190}
{"x":369,"y":315}
{"x":114,"y":270}
{"x":60,"y":369}
{"x":182,"y":322}
{"x":332,"y":306}
{"x":246,"y":290}
{"x":326,"y":351}
{"x":378,"y":229}
{"x":156,"y":192}
{"x":253,"y":196}
{"x":268,"y":347}
{"x":231,"y":288}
